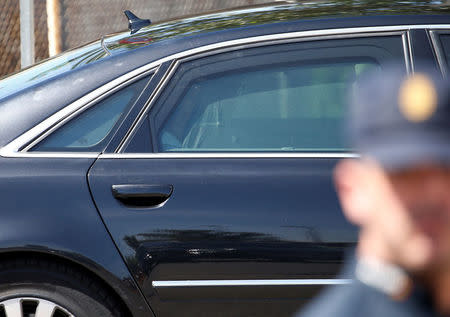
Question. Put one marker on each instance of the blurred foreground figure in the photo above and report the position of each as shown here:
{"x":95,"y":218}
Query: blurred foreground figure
{"x":398,"y":193}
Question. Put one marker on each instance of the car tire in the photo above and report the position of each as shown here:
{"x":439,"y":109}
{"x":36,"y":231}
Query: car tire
{"x":54,"y":289}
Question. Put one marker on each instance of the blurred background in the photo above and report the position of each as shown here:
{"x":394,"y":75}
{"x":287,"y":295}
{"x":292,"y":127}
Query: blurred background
{"x":75,"y":22}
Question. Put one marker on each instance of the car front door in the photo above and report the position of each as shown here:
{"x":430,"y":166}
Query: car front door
{"x":221,"y":199}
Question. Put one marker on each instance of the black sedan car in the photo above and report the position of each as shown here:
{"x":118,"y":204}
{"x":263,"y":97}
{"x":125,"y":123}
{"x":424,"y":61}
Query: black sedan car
{"x":184,"y":169}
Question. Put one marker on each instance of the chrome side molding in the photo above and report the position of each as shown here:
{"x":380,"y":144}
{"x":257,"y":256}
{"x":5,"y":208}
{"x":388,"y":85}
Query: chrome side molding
{"x":287,"y":282}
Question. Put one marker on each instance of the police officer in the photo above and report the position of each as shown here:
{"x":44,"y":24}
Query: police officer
{"x":398,"y":193}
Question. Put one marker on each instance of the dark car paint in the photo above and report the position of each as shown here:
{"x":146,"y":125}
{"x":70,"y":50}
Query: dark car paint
{"x":226,"y":219}
{"x":310,"y":14}
{"x":47,"y":206}
{"x":44,"y":70}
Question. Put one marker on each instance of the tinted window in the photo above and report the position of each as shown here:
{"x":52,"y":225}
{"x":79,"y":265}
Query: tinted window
{"x":88,"y":131}
{"x":286,"y":97}
{"x":297,"y":107}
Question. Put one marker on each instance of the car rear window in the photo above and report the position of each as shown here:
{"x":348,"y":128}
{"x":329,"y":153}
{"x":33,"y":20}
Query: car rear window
{"x":88,"y":131}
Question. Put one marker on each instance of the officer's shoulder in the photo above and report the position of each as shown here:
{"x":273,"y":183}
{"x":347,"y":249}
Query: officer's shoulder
{"x":342,"y":300}
{"x":358,"y":299}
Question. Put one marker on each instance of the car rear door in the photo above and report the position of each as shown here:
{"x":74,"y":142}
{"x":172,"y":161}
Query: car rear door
{"x":221,"y":198}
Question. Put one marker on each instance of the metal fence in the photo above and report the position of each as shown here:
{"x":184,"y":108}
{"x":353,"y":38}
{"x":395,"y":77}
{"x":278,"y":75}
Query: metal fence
{"x":82,"y":21}
{"x":10,"y":34}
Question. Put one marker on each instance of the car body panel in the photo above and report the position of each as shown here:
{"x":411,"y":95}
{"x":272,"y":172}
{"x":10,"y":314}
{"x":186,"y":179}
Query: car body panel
{"x":47,"y":208}
{"x":323,"y":15}
{"x":247,"y":219}
{"x":40,"y":72}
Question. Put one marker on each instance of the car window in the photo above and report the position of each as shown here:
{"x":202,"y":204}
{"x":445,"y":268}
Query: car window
{"x":290,"y":98}
{"x":88,"y":131}
{"x":285,"y":108}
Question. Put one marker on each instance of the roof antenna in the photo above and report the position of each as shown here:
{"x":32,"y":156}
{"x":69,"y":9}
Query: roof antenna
{"x":134,"y":23}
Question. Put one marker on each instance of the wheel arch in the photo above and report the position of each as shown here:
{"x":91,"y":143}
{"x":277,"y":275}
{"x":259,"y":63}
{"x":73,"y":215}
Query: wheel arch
{"x":79,"y":263}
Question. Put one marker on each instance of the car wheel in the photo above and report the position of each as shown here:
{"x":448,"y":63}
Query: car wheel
{"x":41,"y":288}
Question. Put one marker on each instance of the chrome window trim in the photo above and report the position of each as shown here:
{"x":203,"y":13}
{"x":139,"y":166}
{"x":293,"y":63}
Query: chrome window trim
{"x":208,"y":155}
{"x":49,"y":154}
{"x":411,"y":59}
{"x":406,"y":52}
{"x":155,"y":93}
{"x":104,"y":46}
{"x":290,"y":40}
{"x":287,"y":282}
{"x":12,"y":149}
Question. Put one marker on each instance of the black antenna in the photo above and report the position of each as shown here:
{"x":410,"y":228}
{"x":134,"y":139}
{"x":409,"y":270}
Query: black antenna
{"x":134,"y":23}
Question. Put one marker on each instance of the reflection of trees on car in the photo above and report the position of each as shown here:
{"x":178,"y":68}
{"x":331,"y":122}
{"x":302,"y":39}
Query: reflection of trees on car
{"x":179,"y":246}
{"x":282,"y":13}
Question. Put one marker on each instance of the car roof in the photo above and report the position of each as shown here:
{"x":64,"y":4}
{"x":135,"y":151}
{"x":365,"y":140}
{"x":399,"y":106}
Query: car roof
{"x":36,"y":93}
{"x":269,"y":14}
{"x":313,"y":15}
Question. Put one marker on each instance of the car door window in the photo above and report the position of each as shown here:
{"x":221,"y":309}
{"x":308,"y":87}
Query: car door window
{"x":293,"y":107}
{"x":273,"y":98}
{"x":88,"y":131}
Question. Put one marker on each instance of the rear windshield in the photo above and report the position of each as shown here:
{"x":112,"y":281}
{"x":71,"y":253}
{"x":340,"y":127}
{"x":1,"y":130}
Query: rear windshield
{"x":50,"y":68}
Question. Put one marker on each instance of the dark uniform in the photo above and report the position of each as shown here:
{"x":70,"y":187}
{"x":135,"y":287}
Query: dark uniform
{"x":401,"y":121}
{"x":359,"y":299}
